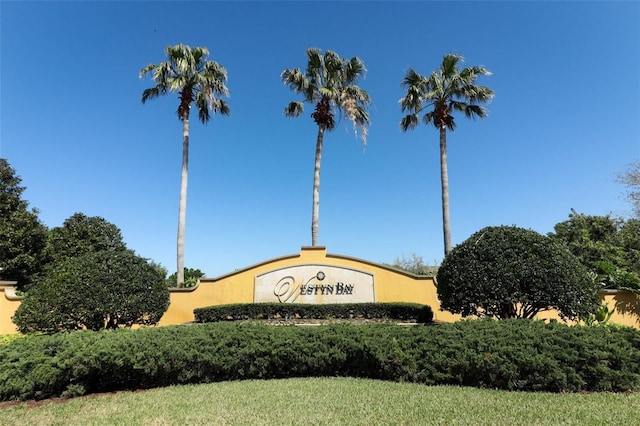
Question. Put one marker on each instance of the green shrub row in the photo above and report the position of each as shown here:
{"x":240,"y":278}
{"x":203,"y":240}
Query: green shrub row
{"x":254,"y":311}
{"x":511,"y":354}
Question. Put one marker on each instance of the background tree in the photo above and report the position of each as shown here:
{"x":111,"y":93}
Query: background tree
{"x":191,"y":277}
{"x":97,"y":290}
{"x":446,"y":90}
{"x":631,"y":178}
{"x":415,"y":264}
{"x":22,"y":236}
{"x":188,"y":72}
{"x":510,"y":272}
{"x":329,"y":83}
{"x":608,"y":247}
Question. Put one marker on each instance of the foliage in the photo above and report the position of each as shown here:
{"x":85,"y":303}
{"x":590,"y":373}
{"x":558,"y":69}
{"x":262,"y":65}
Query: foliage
{"x":92,"y":281}
{"x":188,"y":72}
{"x":415,"y":265}
{"x":244,"y":311}
{"x":513,"y":355}
{"x":191,"y":277}
{"x":104,"y":289}
{"x":330,"y":84}
{"x":609,"y":247}
{"x":507,"y":272}
{"x":631,"y":178}
{"x":448,"y":89}
{"x":80,"y":235}
{"x":602,"y":315}
{"x":22,"y":235}
{"x":6,"y":338}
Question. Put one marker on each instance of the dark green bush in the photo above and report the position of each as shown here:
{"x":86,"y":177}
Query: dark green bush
{"x":510,"y":354}
{"x":254,"y":311}
{"x":510,"y":272}
{"x":102,"y":289}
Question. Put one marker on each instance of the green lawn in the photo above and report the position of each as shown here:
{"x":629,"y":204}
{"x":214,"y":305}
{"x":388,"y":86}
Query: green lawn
{"x":327,"y":401}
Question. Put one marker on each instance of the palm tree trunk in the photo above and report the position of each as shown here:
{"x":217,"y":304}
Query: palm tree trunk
{"x":444,"y":178}
{"x":315,"y":211}
{"x":182,"y":209}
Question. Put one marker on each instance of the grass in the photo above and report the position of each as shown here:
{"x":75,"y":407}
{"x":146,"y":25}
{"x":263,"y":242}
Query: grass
{"x":326,"y":401}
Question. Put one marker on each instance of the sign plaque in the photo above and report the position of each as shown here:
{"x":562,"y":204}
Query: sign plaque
{"x":314,"y":283}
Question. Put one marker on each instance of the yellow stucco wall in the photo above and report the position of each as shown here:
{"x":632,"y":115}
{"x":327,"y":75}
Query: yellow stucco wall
{"x":390,"y":285}
{"x":626,"y":305}
{"x":9,"y":302}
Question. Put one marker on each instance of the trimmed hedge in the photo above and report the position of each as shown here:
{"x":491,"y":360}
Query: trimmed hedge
{"x":511,"y":354}
{"x":257,"y":311}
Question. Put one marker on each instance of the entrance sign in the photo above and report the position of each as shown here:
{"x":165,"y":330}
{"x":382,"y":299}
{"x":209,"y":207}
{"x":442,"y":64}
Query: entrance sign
{"x":314,"y":283}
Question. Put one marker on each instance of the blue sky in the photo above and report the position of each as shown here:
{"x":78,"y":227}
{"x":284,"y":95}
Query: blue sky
{"x":564,"y":122}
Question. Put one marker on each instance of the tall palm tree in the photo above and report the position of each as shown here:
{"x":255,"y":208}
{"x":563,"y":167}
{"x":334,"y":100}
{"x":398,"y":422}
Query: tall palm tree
{"x":188,"y":72}
{"x":446,"y":90}
{"x":329,"y":83}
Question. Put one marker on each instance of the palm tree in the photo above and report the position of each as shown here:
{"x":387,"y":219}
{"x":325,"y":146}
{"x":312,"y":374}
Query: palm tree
{"x":188,"y":72}
{"x":329,"y":83}
{"x":446,"y":90}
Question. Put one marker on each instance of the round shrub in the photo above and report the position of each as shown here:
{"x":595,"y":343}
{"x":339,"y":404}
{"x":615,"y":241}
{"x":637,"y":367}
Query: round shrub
{"x":510,"y":272}
{"x":98,"y":290}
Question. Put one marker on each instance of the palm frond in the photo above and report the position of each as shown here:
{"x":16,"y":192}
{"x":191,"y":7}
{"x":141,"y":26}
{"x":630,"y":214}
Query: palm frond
{"x":202,"y":103}
{"x":294,"y":109}
{"x":413,"y":79}
{"x":409,"y":122}
{"x":329,"y":92}
{"x":412,"y":101}
{"x":221,"y":107}
{"x":430,"y":118}
{"x":297,"y":82}
{"x":150,"y":93}
{"x":449,"y":65}
{"x":360,"y":95}
{"x":144,"y":71}
{"x":473,"y":111}
{"x":314,"y":67}
{"x":353,"y":70}
{"x":361,"y":116}
{"x":476,"y":94}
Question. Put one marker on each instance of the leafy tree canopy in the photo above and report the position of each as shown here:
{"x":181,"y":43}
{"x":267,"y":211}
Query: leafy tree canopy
{"x":415,"y":264}
{"x":22,"y":235}
{"x":80,"y":235}
{"x":609,"y":247}
{"x":191,"y":277}
{"x":510,"y":272}
{"x":96,"y":290}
